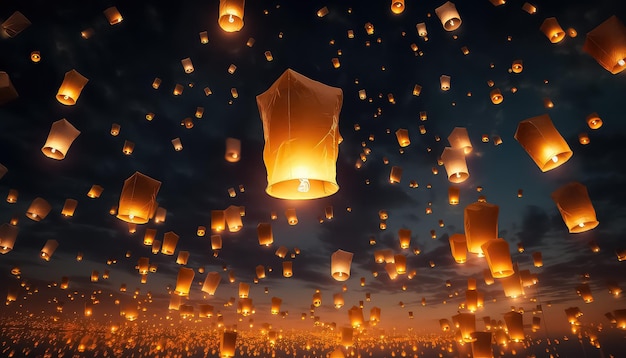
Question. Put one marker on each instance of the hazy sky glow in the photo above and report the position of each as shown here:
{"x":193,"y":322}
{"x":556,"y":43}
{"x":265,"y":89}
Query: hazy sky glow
{"x":121,"y":62}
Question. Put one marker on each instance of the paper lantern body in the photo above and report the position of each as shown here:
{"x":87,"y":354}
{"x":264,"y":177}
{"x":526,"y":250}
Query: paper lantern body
{"x":138,"y":199}
{"x":607,"y":45}
{"x":228,"y":343}
{"x":170,"y":240}
{"x":69,"y":207}
{"x":449,"y":16}
{"x":481,"y":345}
{"x":60,"y":138}
{"x":73,"y":84}
{"x":8,"y":235}
{"x":458,"y":247}
{"x":211,"y":282}
{"x":515,"y":326}
{"x":553,"y":31}
{"x":38,"y":209}
{"x":340,"y":263}
{"x":498,"y":258}
{"x":233,"y":218}
{"x":575,"y":207}
{"x":7,"y":91}
{"x":231,"y":15}
{"x":15,"y":24}
{"x":264,"y":233}
{"x":301,"y":129}
{"x":455,"y":164}
{"x":481,"y":225}
{"x":48,"y":249}
{"x":543,"y":142}
{"x":233,"y":150}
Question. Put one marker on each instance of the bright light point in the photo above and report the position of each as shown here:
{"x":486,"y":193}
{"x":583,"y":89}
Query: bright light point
{"x":131,"y":216}
{"x":458,"y":175}
{"x":304,"y":186}
{"x":581,"y":225}
{"x":231,"y":19}
{"x":555,"y":159}
{"x":621,"y":62}
{"x":52,"y":150}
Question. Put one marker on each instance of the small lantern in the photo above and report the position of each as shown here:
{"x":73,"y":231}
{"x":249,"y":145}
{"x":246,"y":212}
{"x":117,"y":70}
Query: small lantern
{"x":496,"y":96}
{"x":8,"y":235}
{"x":396,"y":174}
{"x":231,"y":15}
{"x":287,"y":268}
{"x":204,"y":37}
{"x":187,"y":65}
{"x":575,"y":207}
{"x":405,"y":238}
{"x":38,"y":209}
{"x":340,"y":265}
{"x":156,"y":83}
{"x":265,"y":235}
{"x":48,"y":249}
{"x":113,"y":15}
{"x":177,"y":144}
{"x":444,"y":81}
{"x":594,"y":121}
{"x":517,"y":66}
{"x":95,"y":191}
{"x":233,"y":150}
{"x":529,"y":8}
{"x":498,"y":258}
{"x":70,"y":89}
{"x":458,"y":247}
{"x":417,"y":90}
{"x":216,"y":242}
{"x":453,"y":195}
{"x":455,"y":164}
{"x":449,"y":16}
{"x":292,"y":218}
{"x":60,"y":138}
{"x":233,"y":218}
{"x":543,"y":142}
{"x":397,"y":6}
{"x":183,"y":257}
{"x":69,"y":207}
{"x":403,"y":137}
{"x":553,"y":31}
{"x":128,"y":147}
{"x":218,"y":220}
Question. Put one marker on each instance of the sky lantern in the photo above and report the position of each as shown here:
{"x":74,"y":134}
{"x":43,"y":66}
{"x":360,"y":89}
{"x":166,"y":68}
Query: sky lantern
{"x":444,"y":82}
{"x":466,"y":325}
{"x":113,"y":15}
{"x":14,"y":24}
{"x":228,"y":339}
{"x":403,"y":137}
{"x":512,"y":285}
{"x":543,"y":142}
{"x":421,"y":30}
{"x":170,"y":240}
{"x":38,"y":210}
{"x":355,"y":315}
{"x":449,"y":16}
{"x":317,"y":298}
{"x":496,"y":96}
{"x":340,"y":262}
{"x":287,"y":268}
{"x":233,"y":150}
{"x":60,"y":138}
{"x":218,"y":220}
{"x":95,"y":191}
{"x":455,"y":164}
{"x":12,"y":196}
{"x":260,"y":271}
{"x":7,"y":91}
{"x":183,"y":257}
{"x":187,"y":65}
{"x":517,"y":66}
{"x":264,"y":233}
{"x":458,"y":247}
{"x":453,"y":195}
{"x":594,"y":121}
{"x":69,"y":207}
{"x":405,"y":238}
{"x":338,"y":300}
{"x":481,"y":225}
{"x":275,"y":308}
{"x":537,"y":259}
{"x":515,"y":326}
{"x":292,"y":217}
{"x":149,"y":236}
{"x":584,"y":291}
{"x":216,"y":242}
{"x":553,"y":31}
{"x":607,"y":45}
{"x":399,"y":261}
{"x":395,"y":176}
{"x":281,"y":252}
{"x":211,"y":281}
{"x":73,"y":84}
{"x":8,"y":235}
{"x":301,"y":129}
{"x":397,"y":6}
{"x":244,"y":290}
{"x":231,"y":15}
{"x":156,"y":246}
{"x":459,"y":138}
{"x":48,"y":249}
{"x":138,"y":199}
{"x":498,"y":257}
{"x":529,"y":8}
{"x":575,"y":206}
{"x":233,"y":218}
{"x":444,"y":324}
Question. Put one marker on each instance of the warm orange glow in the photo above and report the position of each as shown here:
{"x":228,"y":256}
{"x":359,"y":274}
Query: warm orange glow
{"x":70,"y":89}
{"x":231,"y":15}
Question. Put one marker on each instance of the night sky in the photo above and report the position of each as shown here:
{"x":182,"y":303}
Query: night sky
{"x":121,"y":62}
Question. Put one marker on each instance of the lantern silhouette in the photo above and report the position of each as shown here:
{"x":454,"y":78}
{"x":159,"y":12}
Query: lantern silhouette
{"x":7,"y":91}
{"x":449,"y":16}
{"x":584,"y":291}
{"x":48,"y":249}
{"x":260,"y":271}
{"x":481,"y":225}
{"x":517,"y":66}
{"x":405,"y":238}
{"x":317,"y":299}
{"x":396,"y":174}
{"x":399,"y":261}
{"x":187,"y":65}
{"x":38,"y":210}
{"x":113,"y":15}
{"x":264,"y":233}
{"x":231,"y":15}
{"x":287,"y":268}
{"x":281,"y":252}
{"x":514,"y":325}
{"x":455,"y":164}
{"x":275,"y":308}
{"x":211,"y":282}
{"x":543,"y":142}
{"x":553,"y":31}
{"x":8,"y":235}
{"x":73,"y":84}
{"x":177,"y":144}
{"x":69,"y":207}
{"x":228,"y":339}
{"x":421,"y":30}
{"x":156,"y":246}
{"x":233,"y":218}
{"x":453,"y":195}
{"x":340,"y":262}
{"x":575,"y":207}
{"x":204,"y":37}
{"x":60,"y":138}
{"x":607,"y":45}
{"x":481,"y":344}
{"x":338,"y":300}
{"x":12,"y":196}
{"x":529,"y":8}
{"x":458,"y":247}
{"x":397,"y":6}
{"x":138,"y":199}
{"x":170,"y":240}
{"x":444,"y":82}
{"x":355,"y":315}
{"x":466,"y":324}
{"x":233,"y":150}
{"x":14,"y":24}
{"x":149,"y":236}
{"x":95,"y":191}
{"x":417,"y":90}
{"x":301,"y":129}
{"x":498,"y":258}
{"x":183,"y":257}
{"x":218,"y":220}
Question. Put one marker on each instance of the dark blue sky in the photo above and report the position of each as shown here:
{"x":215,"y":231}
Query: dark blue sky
{"x":122,"y":60}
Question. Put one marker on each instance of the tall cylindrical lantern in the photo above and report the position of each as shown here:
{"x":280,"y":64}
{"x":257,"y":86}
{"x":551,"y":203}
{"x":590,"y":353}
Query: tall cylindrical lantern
{"x":498,"y":258}
{"x":396,"y":174}
{"x":466,"y":324}
{"x":69,"y":207}
{"x":575,"y":206}
{"x":454,"y":195}
{"x":355,"y":314}
{"x":183,"y":257}
{"x":149,"y":236}
{"x":138,"y":199}
{"x":403,"y":137}
{"x":537,"y":259}
{"x":287,"y":268}
{"x":113,"y":15}
{"x":211,"y":282}
{"x":95,"y":191}
{"x":231,"y":15}
{"x":216,"y":242}
{"x":444,"y":82}
{"x":301,"y":129}
{"x":170,"y":240}
{"x":260,"y":271}
{"x":405,"y":238}
{"x":459,"y":138}
{"x":233,"y":218}
{"x":276,"y":302}
{"x":514,"y":325}
{"x":338,"y":300}
{"x":458,"y":247}
{"x":156,"y":246}
{"x":512,"y":285}
{"x":292,"y":217}
{"x":8,"y":235}
{"x":73,"y":84}
{"x":39,"y":208}
{"x":481,"y":225}
{"x":455,"y":164}
{"x":543,"y":142}
{"x":449,"y":16}
{"x":218,"y":220}
{"x":233,"y":150}
{"x":244,"y":290}
{"x":553,"y":31}
{"x":340,"y":263}
{"x":481,"y":345}
{"x":265,"y":234}
{"x":60,"y":138}
{"x":228,"y":339}
{"x":606,"y":43}
{"x":48,"y":249}
{"x":400,"y":262}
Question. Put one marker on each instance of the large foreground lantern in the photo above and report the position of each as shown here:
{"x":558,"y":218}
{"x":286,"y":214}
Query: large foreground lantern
{"x":231,"y":15}
{"x":70,"y":89}
{"x":301,"y":130}
{"x":60,"y":138}
{"x":575,"y":207}
{"x":340,"y":263}
{"x":449,"y":16}
{"x":138,"y":199}
{"x":543,"y":142}
{"x":607,"y":44}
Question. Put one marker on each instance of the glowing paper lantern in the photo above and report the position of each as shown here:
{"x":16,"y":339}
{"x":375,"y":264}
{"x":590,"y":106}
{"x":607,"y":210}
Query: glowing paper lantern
{"x":7,"y":91}
{"x":183,"y":257}
{"x":216,"y":242}
{"x":228,"y":339}
{"x":514,"y":325}
{"x":496,"y":96}
{"x":113,"y":15}
{"x":211,"y":282}
{"x":340,"y":262}
{"x":529,"y":8}
{"x":553,"y":31}
{"x":233,"y":218}
{"x":8,"y":235}
{"x":355,"y":315}
{"x":287,"y":268}
{"x":264,"y":233}
{"x":481,"y":225}
{"x":60,"y":138}
{"x":594,"y":121}
{"x":397,"y":6}
{"x":458,"y":247}
{"x":575,"y":207}
{"x":292,"y":217}
{"x":498,"y":258}
{"x":405,"y":238}
{"x":607,"y":45}
{"x":338,"y":300}
{"x":73,"y":84}
{"x":444,"y":82}
{"x":421,"y":30}
{"x":170,"y":240}
{"x":455,"y":164}
{"x":403,"y":137}
{"x":396,"y":174}
{"x":453,"y":195}
{"x":301,"y":130}
{"x":218,"y":220}
{"x":459,"y":139}
{"x":275,"y":308}
{"x":466,"y":324}
{"x":543,"y":142}
{"x":69,"y":207}
{"x":512,"y":285}
{"x":138,"y":199}
{"x":233,"y":150}
{"x":48,"y":249}
{"x":38,"y":210}
{"x":449,"y":16}
{"x":231,"y":15}
{"x":14,"y":24}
